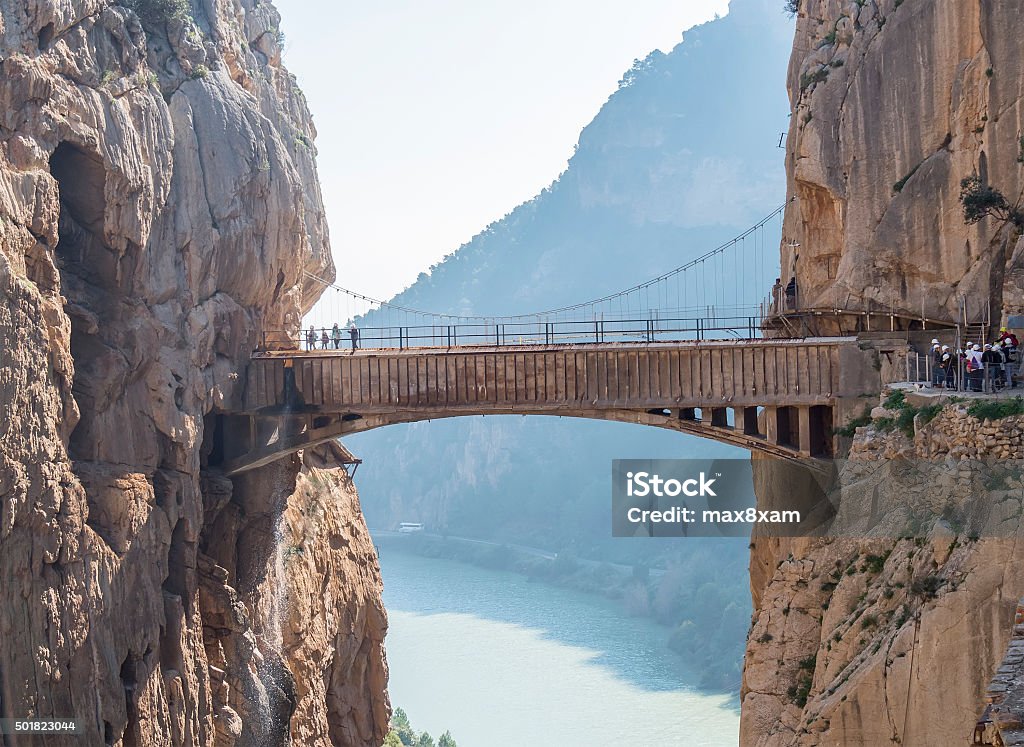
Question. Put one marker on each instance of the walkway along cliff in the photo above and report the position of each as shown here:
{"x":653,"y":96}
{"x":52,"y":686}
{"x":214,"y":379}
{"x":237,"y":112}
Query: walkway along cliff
{"x":894,"y":102}
{"x":158,"y":208}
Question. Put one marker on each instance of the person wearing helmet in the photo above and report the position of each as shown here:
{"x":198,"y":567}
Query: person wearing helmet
{"x":936,"y":359}
{"x":948,"y":363}
{"x":1011,"y":355}
{"x":975,"y":368}
{"x":1006,"y":364}
{"x":992,"y":366}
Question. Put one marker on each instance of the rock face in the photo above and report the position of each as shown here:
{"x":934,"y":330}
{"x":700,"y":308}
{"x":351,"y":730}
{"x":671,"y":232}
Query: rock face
{"x":882,"y":640}
{"x":159,"y":208}
{"x":893,"y":103}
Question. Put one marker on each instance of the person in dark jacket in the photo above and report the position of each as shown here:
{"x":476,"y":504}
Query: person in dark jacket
{"x":353,"y":334}
{"x":992,"y":361}
{"x":938,"y":374}
{"x":949,"y":367}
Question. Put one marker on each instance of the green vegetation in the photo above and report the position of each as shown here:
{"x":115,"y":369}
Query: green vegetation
{"x":850,"y":429}
{"x":905,"y":413}
{"x":403,"y":735}
{"x":798,"y":693}
{"x":158,"y":12}
{"x":792,"y":7}
{"x":896,"y":400}
{"x":996,"y":410}
{"x":927,"y":586}
{"x":982,"y":201}
{"x":928,"y":413}
{"x":813,"y":78}
{"x":875,"y":563}
{"x":200,"y":71}
{"x":898,"y":186}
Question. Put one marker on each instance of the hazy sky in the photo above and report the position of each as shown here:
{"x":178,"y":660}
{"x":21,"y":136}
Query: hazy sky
{"x":436,"y":118}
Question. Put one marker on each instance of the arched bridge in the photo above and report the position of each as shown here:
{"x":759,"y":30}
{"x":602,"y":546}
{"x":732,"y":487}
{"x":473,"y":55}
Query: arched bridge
{"x":780,"y":396}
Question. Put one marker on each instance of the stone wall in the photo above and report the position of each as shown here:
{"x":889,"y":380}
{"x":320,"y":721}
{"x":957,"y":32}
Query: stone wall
{"x":889,"y":636}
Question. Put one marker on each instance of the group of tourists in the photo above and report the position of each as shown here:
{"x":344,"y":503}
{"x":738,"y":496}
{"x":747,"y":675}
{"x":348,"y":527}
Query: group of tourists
{"x":334,"y":338}
{"x":988,"y":367}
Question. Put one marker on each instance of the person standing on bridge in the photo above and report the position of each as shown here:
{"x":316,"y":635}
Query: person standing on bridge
{"x":1006,"y":336}
{"x":948,"y":363}
{"x":777,"y":296}
{"x":1011,"y":354}
{"x":975,"y":368}
{"x":336,"y":335}
{"x":992,"y":364}
{"x":324,"y":339}
{"x":936,"y":356}
{"x":353,"y":334}
{"x":791,"y":294}
{"x":311,"y":338}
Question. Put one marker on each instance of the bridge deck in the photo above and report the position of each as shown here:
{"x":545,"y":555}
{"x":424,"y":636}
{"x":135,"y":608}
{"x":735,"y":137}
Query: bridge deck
{"x":599,"y":375}
{"x":780,"y":396}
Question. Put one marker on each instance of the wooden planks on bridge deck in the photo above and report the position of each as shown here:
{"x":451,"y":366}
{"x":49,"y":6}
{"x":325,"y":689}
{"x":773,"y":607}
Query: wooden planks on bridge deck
{"x":638,"y":376}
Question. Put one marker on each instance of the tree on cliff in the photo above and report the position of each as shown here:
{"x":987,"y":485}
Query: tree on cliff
{"x":983,"y":201}
{"x":446,"y":740}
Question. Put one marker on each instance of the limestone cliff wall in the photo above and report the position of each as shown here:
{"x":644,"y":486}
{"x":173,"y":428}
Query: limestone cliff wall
{"x":882,"y":640}
{"x":893,"y":103}
{"x":158,"y":209}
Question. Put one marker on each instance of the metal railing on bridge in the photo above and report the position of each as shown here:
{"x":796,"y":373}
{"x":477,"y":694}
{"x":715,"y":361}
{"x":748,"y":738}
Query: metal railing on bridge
{"x":501,"y":334}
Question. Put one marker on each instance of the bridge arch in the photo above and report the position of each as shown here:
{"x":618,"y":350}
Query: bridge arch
{"x":779,"y":397}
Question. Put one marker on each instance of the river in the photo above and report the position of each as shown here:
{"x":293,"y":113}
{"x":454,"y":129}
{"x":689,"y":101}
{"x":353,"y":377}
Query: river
{"x":500,"y":661}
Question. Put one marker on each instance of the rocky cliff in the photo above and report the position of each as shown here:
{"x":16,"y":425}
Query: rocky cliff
{"x":158,"y":210}
{"x":894,"y":102}
{"x":871,"y":639}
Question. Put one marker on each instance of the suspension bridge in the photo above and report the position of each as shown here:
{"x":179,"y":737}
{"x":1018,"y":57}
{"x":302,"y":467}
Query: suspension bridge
{"x":696,"y":349}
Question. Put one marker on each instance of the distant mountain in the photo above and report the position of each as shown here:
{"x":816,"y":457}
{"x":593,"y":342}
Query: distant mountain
{"x":682,"y":157}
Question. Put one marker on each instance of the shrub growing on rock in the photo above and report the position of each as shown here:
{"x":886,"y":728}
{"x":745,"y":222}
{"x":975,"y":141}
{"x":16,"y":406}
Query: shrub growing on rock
{"x":158,"y":12}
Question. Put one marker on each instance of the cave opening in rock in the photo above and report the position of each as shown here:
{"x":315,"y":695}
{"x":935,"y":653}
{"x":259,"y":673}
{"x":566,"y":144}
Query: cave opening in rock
{"x":211,"y":453}
{"x":130,"y":682}
{"x":88,"y":275}
{"x":178,"y":555}
{"x":45,"y":37}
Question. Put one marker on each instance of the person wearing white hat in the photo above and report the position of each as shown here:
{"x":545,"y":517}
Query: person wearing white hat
{"x":948,"y":365}
{"x":975,"y":368}
{"x":936,"y":361}
{"x":992,"y":363}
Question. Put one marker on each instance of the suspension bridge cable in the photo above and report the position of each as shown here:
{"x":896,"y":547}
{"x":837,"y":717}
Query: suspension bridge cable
{"x":697,"y":265}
